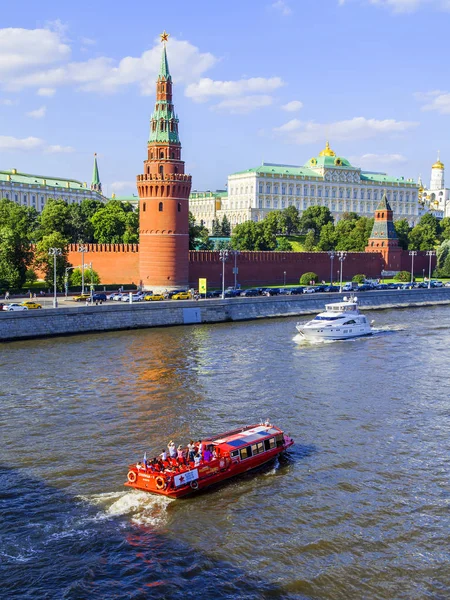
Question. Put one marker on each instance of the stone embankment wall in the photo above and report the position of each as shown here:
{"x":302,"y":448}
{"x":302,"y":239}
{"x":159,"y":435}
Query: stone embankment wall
{"x":119,"y":316}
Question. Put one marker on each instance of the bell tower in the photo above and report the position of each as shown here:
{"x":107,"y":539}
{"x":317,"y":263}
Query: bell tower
{"x":164,"y":191}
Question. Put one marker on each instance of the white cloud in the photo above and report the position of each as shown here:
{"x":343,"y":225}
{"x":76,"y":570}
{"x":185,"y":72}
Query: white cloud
{"x":8,"y":142}
{"x":244,"y":104}
{"x":282,"y":7}
{"x":88,"y":41}
{"x":120,"y":187}
{"x":358,"y":128}
{"x":39,"y":113}
{"x":368,"y":161}
{"x":49,"y":92}
{"x":6,"y":101}
{"x":292,"y":106}
{"x":43,"y":48}
{"x":57,"y":149}
{"x":25,"y":49}
{"x":407,"y":6}
{"x":207,"y":88}
{"x":435,"y":100}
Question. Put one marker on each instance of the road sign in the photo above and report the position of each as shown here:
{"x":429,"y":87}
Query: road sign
{"x":202,"y":286}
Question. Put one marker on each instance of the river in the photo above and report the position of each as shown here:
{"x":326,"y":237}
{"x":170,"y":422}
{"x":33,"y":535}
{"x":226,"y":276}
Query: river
{"x":359,"y":508}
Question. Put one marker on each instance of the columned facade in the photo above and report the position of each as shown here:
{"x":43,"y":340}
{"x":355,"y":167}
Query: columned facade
{"x":163,"y":190}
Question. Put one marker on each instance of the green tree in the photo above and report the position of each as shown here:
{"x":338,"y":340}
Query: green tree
{"x":403,"y":229}
{"x":16,"y":227}
{"x":283,"y":245}
{"x":131,"y":233}
{"x":217,"y":228}
{"x":289,"y":220}
{"x":253,"y":236}
{"x":306,"y":278}
{"x":110,"y":222}
{"x":359,"y":278}
{"x":44,"y":262}
{"x":90,"y":276}
{"x":271,"y":223}
{"x":55,"y":218}
{"x":310,"y":241}
{"x":444,"y":227}
{"x":429,"y":220}
{"x":222,"y":245}
{"x":226,"y":227}
{"x":315,"y":217}
{"x":422,"y":237}
{"x":444,"y":271}
{"x":441,"y":253}
{"x":327,"y":238}
{"x":198,"y":236}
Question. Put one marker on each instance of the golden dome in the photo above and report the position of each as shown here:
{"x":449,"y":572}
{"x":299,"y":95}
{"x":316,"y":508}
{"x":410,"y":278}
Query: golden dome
{"x":327,"y":151}
{"x":438,"y":165}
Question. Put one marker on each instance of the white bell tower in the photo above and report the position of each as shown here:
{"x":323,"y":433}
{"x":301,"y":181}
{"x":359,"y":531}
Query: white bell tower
{"x":437,"y":175}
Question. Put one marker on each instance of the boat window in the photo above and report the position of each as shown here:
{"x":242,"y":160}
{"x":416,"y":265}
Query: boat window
{"x":351,"y":322}
{"x":246,"y":452}
{"x":257,"y":448}
{"x":279,"y":440}
{"x":269,"y":444}
{"x":234,"y":453}
{"x":318,"y":318}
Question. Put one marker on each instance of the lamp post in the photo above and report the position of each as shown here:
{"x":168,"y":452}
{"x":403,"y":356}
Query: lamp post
{"x":331,"y":254}
{"x":430,"y":253}
{"x":235,"y":253}
{"x":341,"y":257}
{"x":66,"y":280}
{"x":223,"y":256}
{"x":54,"y":252}
{"x":82,"y":248}
{"x":412,"y":254}
{"x":284,"y":277}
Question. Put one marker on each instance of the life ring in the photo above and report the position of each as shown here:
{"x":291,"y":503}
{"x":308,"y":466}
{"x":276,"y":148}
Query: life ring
{"x":222,"y":463}
{"x":194,"y":485}
{"x":132,"y":476}
{"x":160,"y":483}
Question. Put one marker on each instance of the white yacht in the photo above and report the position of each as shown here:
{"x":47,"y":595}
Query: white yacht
{"x":340,"y":321}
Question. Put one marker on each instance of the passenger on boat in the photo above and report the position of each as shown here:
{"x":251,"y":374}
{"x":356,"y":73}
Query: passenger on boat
{"x":200,"y":447}
{"x":163,"y":455}
{"x":197,"y":460}
{"x":207,"y":455}
{"x":180,"y":454}
{"x":191,"y":450}
{"x":172,"y":449}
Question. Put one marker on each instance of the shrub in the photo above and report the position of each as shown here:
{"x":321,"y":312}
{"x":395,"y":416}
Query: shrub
{"x":307,"y":277}
{"x":403,"y":276}
{"x":359,"y":278}
{"x":90,"y":276}
{"x":30,"y":276}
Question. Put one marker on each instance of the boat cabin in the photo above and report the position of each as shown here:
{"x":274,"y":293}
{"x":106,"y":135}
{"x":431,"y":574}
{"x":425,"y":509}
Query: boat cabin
{"x":243,"y":444}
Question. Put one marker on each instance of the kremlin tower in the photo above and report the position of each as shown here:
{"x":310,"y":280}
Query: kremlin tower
{"x":383,"y":238}
{"x":164,"y":191}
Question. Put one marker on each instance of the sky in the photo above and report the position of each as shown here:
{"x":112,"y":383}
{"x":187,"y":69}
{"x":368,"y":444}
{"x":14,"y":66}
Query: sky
{"x":254,"y":81}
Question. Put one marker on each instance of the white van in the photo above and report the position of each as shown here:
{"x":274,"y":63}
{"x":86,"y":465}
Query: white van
{"x":350,"y":286}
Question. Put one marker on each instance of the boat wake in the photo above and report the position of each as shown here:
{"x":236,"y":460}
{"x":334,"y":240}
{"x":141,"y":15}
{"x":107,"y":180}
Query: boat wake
{"x":142,"y":508}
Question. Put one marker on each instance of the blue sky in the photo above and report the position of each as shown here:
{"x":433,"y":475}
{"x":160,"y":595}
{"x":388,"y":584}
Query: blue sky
{"x":254,"y":80}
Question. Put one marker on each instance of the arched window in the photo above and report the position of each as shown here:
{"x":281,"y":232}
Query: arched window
{"x":144,"y":206}
{"x":172,"y":155}
{"x":176,"y":169}
{"x":160,"y":207}
{"x":179,"y":206}
{"x":161,"y":170}
{"x":161,"y":154}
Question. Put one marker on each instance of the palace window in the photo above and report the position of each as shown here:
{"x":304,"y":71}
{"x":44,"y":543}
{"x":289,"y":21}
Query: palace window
{"x":389,"y":196}
{"x":395,"y":196}
{"x":327,"y":192}
{"x":275,"y":188}
{"x":312,"y":193}
{"x":297,"y":205}
{"x":413,"y":196}
{"x":319,"y":192}
{"x":333,"y":193}
{"x":361,"y":194}
{"x":407,"y":197}
{"x":283,"y":204}
{"x":355,"y":194}
{"x":267,"y":188}
{"x":24,"y":198}
{"x":283,"y":189}
{"x":305,"y":190}
{"x":348,"y":193}
{"x":261,"y":187}
{"x":375,"y":195}
{"x":291,"y":190}
{"x":297,"y":191}
{"x":260,"y":203}
{"x":160,"y":207}
{"x":16,"y":197}
{"x":267,"y":203}
{"x":275,"y":203}
{"x":369,"y":194}
{"x":341,"y":193}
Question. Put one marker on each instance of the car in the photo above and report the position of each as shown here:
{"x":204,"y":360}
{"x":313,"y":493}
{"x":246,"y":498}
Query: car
{"x":407,"y":286}
{"x":214,"y":294}
{"x":31,"y":305}
{"x":364,"y":287}
{"x":309,"y":290}
{"x":332,"y":288}
{"x":182,"y":296}
{"x":422,"y":284}
{"x":137,"y":297}
{"x":98,"y":297}
{"x":382,"y":286}
{"x":2,"y":306}
{"x":436,"y":283}
{"x":14,"y":306}
{"x":295,"y":291}
{"x":151,"y":297}
{"x":271,"y":292}
{"x":447,"y":284}
{"x":81,"y":297}
{"x":320,"y":288}
{"x":250,"y":292}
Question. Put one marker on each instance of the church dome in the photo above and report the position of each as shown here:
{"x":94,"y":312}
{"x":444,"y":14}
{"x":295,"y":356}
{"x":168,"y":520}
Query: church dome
{"x":438,"y":165}
{"x":327,"y":151}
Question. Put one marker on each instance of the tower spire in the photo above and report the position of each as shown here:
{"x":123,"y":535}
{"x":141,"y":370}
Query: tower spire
{"x":96,"y":183}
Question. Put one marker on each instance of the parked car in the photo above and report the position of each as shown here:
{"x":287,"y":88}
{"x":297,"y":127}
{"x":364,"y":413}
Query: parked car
{"x":14,"y":306}
{"x":2,"y":306}
{"x":117,"y":296}
{"x":214,"y":294}
{"x":332,"y":288}
{"x":296,"y":290}
{"x":250,"y":293}
{"x":271,"y":292}
{"x":382,"y":286}
{"x":30,"y":304}
{"x":151,"y":297}
{"x":320,"y":288}
{"x":186,"y":295}
{"x":309,"y":290}
{"x":436,"y":283}
{"x":99,"y":297}
{"x":136,"y":297}
{"x":407,"y":286}
{"x":81,"y":297}
{"x":364,"y":287}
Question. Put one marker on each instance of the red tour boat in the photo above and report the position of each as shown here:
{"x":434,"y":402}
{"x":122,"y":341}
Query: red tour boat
{"x":232,"y":453}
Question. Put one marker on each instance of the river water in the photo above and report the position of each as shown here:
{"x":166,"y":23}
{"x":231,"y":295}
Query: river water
{"x":359,"y":508}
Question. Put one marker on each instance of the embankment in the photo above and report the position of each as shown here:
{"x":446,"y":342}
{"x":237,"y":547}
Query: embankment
{"x":120,"y":316}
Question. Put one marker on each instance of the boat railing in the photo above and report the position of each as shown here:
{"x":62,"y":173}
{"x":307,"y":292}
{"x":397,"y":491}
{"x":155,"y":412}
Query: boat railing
{"x":229,"y":433}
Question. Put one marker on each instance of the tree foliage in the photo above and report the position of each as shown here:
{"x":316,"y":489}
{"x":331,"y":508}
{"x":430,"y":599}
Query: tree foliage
{"x":17,"y":225}
{"x":198,"y":236}
{"x":306,"y":278}
{"x":45,"y":262}
{"x":90,"y":277}
{"x":315,"y":217}
{"x":403,"y":276}
{"x":283,"y":245}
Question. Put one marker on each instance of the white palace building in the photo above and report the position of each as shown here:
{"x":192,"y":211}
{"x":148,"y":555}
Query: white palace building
{"x":325,"y":180}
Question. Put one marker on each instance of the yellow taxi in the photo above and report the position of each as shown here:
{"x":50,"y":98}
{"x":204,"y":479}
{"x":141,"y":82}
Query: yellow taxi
{"x":81,"y":297}
{"x":152,"y":297}
{"x":182,"y":296}
{"x":30,"y":304}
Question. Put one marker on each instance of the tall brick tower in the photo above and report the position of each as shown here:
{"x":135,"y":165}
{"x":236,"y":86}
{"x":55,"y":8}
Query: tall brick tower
{"x":383,"y":238}
{"x":164,"y":196}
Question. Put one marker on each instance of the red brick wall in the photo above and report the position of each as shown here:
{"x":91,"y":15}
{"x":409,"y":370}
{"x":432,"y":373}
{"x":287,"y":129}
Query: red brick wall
{"x":421,"y":262}
{"x":115,"y":263}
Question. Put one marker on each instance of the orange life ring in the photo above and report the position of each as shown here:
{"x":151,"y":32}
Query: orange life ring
{"x":160,"y":483}
{"x":132,"y":476}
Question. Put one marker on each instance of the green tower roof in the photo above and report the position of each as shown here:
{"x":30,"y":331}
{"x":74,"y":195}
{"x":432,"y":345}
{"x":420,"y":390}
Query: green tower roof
{"x":164,"y":72}
{"x":164,"y":121}
{"x":95,"y":175}
{"x":384,"y":204}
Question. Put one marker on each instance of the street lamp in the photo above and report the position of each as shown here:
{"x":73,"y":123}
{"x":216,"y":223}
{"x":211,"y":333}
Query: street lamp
{"x":284,"y":278}
{"x":82,"y":248}
{"x":341,"y":257}
{"x":430,"y":253}
{"x":66,"y":280}
{"x":412,"y":254}
{"x":235,"y":253}
{"x":54,"y":252}
{"x":331,"y":254}
{"x":223,"y":256}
